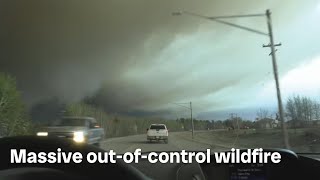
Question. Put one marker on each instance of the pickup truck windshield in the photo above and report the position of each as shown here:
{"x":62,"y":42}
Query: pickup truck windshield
{"x":71,"y":122}
{"x":157,"y":127}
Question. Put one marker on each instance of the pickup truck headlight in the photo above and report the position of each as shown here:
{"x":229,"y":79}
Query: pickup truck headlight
{"x":78,"y":136}
{"x":42,"y":133}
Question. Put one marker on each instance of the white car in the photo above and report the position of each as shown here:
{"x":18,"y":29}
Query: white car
{"x":157,"y":132}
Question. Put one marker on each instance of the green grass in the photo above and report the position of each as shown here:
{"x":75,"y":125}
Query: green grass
{"x":301,"y":140}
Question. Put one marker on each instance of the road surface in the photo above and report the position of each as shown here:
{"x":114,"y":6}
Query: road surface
{"x":216,"y":140}
{"x":177,"y":141}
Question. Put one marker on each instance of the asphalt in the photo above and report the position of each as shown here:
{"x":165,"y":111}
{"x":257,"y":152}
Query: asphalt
{"x":177,"y":142}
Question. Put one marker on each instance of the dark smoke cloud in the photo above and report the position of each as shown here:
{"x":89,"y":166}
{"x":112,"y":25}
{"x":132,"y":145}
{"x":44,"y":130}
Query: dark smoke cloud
{"x":72,"y":49}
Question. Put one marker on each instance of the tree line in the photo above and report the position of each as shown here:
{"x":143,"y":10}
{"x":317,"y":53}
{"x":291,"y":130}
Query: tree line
{"x":116,"y":125}
{"x":302,"y":108}
{"x":15,"y":119}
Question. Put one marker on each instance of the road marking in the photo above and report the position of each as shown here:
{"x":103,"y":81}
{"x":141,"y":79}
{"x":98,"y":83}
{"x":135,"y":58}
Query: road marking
{"x":119,"y":156}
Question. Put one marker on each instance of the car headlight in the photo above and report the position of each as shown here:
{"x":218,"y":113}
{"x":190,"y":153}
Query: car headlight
{"x":78,"y":136}
{"x":42,"y":133}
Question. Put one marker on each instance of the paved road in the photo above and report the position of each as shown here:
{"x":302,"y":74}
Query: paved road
{"x":177,"y":141}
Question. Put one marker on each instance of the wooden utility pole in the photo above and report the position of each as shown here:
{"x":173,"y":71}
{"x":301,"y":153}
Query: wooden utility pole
{"x":275,"y":73}
{"x":271,"y":45}
{"x":192,"y":125}
{"x":190,"y":108}
{"x":236,"y":117}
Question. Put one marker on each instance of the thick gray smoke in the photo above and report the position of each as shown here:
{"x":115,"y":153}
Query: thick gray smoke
{"x":71,"y":49}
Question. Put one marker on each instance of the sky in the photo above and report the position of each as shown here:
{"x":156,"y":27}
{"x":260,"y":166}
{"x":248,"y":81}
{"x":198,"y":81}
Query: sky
{"x":141,"y":58}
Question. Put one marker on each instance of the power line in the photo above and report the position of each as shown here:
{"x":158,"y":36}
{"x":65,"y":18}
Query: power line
{"x":237,"y":16}
{"x":272,"y":46}
{"x":217,"y":19}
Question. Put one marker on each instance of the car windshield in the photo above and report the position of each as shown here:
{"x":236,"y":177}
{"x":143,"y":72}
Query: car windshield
{"x":217,"y":76}
{"x":70,"y":122}
{"x":157,"y":127}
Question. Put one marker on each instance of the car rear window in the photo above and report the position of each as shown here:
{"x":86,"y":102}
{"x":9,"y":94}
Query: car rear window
{"x":157,"y":127}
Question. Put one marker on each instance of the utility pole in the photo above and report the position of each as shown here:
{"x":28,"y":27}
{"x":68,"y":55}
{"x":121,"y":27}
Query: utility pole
{"x":275,"y":73}
{"x":236,"y":117}
{"x":237,"y":122}
{"x":271,"y":45}
{"x":231,"y":115}
{"x":192,"y":125}
{"x":190,"y":108}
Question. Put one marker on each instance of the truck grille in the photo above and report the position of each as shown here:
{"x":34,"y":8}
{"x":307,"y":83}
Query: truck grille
{"x":61,"y":134}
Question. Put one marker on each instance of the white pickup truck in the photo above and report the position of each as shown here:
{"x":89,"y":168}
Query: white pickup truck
{"x":157,"y":132}
{"x":79,"y":129}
